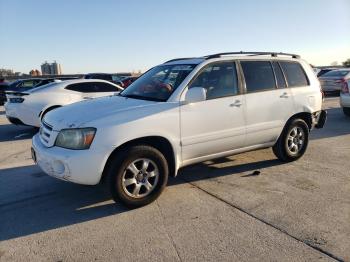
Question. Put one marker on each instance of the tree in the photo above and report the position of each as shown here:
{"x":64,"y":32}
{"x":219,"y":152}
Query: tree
{"x":347,"y":63}
{"x":335,"y":63}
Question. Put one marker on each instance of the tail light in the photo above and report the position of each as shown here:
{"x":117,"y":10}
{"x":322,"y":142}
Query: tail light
{"x":345,"y":87}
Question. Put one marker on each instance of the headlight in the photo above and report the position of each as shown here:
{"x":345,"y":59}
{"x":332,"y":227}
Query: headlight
{"x":76,"y":138}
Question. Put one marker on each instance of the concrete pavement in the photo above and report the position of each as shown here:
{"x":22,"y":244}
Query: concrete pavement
{"x":219,"y":210}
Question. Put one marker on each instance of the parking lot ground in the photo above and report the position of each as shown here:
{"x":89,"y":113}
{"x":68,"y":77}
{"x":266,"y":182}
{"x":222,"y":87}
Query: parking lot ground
{"x":247,"y":207}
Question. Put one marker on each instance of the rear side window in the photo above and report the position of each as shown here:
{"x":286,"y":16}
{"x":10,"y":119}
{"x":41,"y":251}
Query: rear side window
{"x":92,"y":87}
{"x":258,"y":75}
{"x":104,"y":87}
{"x":281,"y":82}
{"x":294,"y":73}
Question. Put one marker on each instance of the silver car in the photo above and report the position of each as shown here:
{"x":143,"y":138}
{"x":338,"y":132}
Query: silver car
{"x":333,"y":80}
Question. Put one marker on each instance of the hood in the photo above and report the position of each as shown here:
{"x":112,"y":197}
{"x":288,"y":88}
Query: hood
{"x":77,"y":114}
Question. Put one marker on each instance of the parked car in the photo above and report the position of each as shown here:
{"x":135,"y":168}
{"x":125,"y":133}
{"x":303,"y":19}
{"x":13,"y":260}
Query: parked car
{"x":3,"y":87}
{"x":333,"y":80}
{"x":322,"y":71}
{"x":114,"y":78}
{"x":128,"y":81}
{"x":28,"y":108}
{"x":179,"y":113}
{"x":345,"y":97}
{"x":22,"y":85}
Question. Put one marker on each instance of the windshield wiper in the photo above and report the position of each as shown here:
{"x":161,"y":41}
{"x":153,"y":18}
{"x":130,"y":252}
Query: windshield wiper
{"x":142,"y":97}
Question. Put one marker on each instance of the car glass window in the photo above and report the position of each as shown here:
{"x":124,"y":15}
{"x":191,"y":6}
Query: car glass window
{"x":158,"y":83}
{"x":116,"y":78}
{"x":28,"y":83}
{"x":258,"y":75}
{"x":104,"y":87}
{"x":294,"y":73}
{"x":219,"y":79}
{"x":281,"y":82}
{"x":80,"y":87}
{"x":336,"y":73}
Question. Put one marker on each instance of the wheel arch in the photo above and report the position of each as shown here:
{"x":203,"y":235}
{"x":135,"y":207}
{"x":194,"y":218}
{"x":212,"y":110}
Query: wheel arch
{"x":47,"y":109}
{"x":159,"y":142}
{"x":306,"y":116}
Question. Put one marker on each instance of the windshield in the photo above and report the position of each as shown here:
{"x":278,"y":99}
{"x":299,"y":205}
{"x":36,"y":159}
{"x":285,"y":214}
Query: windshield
{"x":339,"y":73}
{"x":158,"y":83}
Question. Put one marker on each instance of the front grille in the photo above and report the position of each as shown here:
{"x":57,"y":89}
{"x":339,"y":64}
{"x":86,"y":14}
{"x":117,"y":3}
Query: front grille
{"x":45,"y":133}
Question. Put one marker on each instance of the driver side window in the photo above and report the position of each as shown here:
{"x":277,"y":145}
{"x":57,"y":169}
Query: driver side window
{"x":219,"y":79}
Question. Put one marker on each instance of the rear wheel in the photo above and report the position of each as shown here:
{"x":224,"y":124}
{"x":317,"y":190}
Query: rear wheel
{"x":292,"y":143}
{"x":138,"y":175}
{"x":346,"y":111}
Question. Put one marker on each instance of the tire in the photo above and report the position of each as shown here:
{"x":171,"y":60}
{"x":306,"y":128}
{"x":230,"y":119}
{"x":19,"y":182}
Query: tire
{"x":150,"y":181}
{"x":293,"y":141}
{"x":346,"y":111}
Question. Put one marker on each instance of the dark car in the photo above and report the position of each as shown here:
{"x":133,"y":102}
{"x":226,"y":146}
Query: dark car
{"x":324,"y":70}
{"x":114,"y":78}
{"x":128,"y":80}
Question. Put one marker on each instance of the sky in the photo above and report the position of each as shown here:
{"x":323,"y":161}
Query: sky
{"x":130,"y":35}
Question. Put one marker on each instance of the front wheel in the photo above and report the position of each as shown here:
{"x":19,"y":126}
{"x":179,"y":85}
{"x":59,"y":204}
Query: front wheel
{"x":138,"y":175}
{"x":292,"y":143}
{"x":346,"y":111}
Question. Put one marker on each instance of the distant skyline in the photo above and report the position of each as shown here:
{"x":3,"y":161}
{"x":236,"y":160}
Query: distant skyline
{"x":115,"y":35}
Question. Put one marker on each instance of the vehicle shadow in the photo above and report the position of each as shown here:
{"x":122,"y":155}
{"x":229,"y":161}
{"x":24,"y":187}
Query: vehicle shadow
{"x":210,"y":170}
{"x":32,"y":202}
{"x":10,"y":132}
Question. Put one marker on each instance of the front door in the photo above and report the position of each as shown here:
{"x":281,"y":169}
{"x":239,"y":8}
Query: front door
{"x":217,"y":124}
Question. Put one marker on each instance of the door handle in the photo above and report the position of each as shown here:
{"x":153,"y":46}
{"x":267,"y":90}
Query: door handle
{"x":237,"y":103}
{"x":284,"y":95}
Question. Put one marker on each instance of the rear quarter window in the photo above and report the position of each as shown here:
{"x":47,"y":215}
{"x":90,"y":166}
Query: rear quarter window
{"x":294,"y":73}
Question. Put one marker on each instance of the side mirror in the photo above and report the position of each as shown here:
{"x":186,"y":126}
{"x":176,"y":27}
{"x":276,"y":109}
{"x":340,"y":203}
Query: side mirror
{"x":196,"y":94}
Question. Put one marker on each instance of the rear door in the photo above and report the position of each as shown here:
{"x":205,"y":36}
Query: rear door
{"x":269,"y":103}
{"x":304,"y":87}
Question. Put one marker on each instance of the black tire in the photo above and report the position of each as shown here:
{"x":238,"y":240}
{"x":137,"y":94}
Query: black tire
{"x":346,"y":111}
{"x":282,"y":148}
{"x":118,"y":170}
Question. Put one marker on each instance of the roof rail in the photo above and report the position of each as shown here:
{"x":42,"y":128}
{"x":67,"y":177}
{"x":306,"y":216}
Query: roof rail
{"x":273,"y":54}
{"x":183,"y":58}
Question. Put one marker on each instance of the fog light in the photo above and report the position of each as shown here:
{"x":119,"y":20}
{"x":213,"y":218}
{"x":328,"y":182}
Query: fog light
{"x":58,"y":167}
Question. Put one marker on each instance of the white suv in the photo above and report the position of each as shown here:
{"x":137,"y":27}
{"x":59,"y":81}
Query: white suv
{"x":179,"y":113}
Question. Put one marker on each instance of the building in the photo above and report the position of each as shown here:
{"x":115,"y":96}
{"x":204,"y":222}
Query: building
{"x":35,"y":72}
{"x":51,"y":68}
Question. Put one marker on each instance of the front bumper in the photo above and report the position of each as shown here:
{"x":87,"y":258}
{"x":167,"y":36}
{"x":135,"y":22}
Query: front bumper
{"x":77,"y":166}
{"x":319,"y":119}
